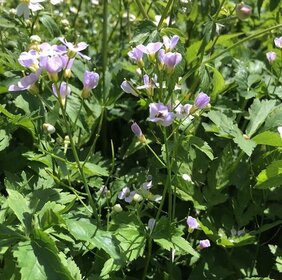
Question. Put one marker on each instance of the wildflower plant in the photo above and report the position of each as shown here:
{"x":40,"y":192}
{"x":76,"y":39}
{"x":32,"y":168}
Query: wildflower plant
{"x":140,"y":139}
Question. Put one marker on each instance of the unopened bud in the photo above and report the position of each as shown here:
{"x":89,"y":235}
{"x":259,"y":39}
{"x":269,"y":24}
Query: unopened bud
{"x":49,"y":128}
{"x":243,"y":11}
{"x":137,"y":197}
{"x":117,"y":208}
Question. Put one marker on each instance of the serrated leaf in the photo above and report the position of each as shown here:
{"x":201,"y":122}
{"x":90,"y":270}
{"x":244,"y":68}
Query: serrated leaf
{"x":71,"y":265}
{"x":246,"y":145}
{"x":271,"y":176}
{"x":269,"y":138}
{"x":4,"y":140}
{"x":92,"y":169}
{"x":274,"y":118}
{"x":201,"y":145}
{"x":258,"y":112}
{"x":19,"y":205}
{"x":84,"y":229}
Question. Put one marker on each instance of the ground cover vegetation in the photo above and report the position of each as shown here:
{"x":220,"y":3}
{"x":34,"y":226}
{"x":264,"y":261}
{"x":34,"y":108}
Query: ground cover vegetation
{"x":140,"y":139}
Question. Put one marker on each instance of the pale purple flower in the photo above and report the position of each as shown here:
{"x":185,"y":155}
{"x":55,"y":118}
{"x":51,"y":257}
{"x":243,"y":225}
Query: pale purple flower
{"x":278,"y":42}
{"x":149,"y":83}
{"x":160,"y":113}
{"x":204,"y":244}
{"x":171,"y":60}
{"x":182,"y":111}
{"x":151,"y":224}
{"x":192,"y":223}
{"x":90,"y":80}
{"x":151,"y":48}
{"x":65,"y":90}
{"x":147,"y":185}
{"x":136,"y":130}
{"x":26,"y":82}
{"x":52,"y":64}
{"x":170,"y":44}
{"x":29,"y":59}
{"x":161,"y":55}
{"x":136,"y":54}
{"x":202,"y":100}
{"x":271,"y":56}
{"x":75,"y":48}
{"x":126,"y":87}
{"x":126,"y":195}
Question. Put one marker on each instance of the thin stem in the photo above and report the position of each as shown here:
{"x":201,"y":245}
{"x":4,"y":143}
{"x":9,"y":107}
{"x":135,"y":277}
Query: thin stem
{"x":104,"y":48}
{"x":142,"y":9}
{"x":76,"y":15}
{"x":156,"y":156}
{"x":165,"y":13}
{"x":148,"y":257}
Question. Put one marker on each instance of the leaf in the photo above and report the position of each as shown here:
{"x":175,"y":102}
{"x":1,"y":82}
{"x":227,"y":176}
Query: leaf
{"x":271,"y":176}
{"x":19,"y":205}
{"x":50,"y":25}
{"x":30,"y":267}
{"x":258,"y":112}
{"x":246,"y":145}
{"x":274,"y":118}
{"x":71,"y":265}
{"x":4,"y":140}
{"x":92,"y":169}
{"x":201,"y":145}
{"x":84,"y":229}
{"x":218,"y":83}
{"x":268,"y":138}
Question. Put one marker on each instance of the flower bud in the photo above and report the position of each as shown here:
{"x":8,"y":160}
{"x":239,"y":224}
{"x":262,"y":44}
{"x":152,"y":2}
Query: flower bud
{"x":49,"y":128}
{"x":117,"y":208}
{"x":271,"y":56}
{"x":137,"y":197}
{"x":203,"y":244}
{"x":243,"y":11}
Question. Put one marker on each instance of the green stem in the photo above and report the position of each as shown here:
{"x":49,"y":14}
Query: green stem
{"x":75,"y":154}
{"x":165,"y":13}
{"x":104,"y":48}
{"x":76,"y":15}
{"x":156,"y":156}
{"x":142,"y":9}
{"x":148,"y":257}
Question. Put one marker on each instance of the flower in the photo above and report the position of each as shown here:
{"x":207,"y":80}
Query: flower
{"x":243,"y":11}
{"x":150,"y":49}
{"x":202,"y":100}
{"x":161,"y":114}
{"x":279,"y":128}
{"x":170,"y":43}
{"x":126,"y":87}
{"x":204,"y":244}
{"x":56,"y":2}
{"x":23,"y":9}
{"x":90,"y":81}
{"x":271,"y":56}
{"x":170,"y":60}
{"x":64,"y":91}
{"x":278,"y":42}
{"x":49,"y":128}
{"x":137,"y":56}
{"x":192,"y":223}
{"x":126,"y":195}
{"x":26,"y":82}
{"x":29,"y":59}
{"x":137,"y":131}
{"x":183,"y":111}
{"x":149,"y":83}
{"x":75,"y":49}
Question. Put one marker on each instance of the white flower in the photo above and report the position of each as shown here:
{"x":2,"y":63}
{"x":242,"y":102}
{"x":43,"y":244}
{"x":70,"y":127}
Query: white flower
{"x":23,"y":9}
{"x":56,"y":2}
{"x":279,"y":128}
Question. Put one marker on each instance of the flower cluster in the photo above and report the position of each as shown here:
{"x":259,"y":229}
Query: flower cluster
{"x":142,"y":193}
{"x":271,"y":56}
{"x":54,"y":60}
{"x":193,"y":224}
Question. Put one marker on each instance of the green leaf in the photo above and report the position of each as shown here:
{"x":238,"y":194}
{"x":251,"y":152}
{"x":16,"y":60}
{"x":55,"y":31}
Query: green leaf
{"x":271,"y":176}
{"x":218,"y":83}
{"x":19,"y":205}
{"x":258,"y":112}
{"x":4,"y":139}
{"x":201,"y":145}
{"x":50,"y":25}
{"x":246,"y":145}
{"x":274,"y":118}
{"x":92,"y":169}
{"x":84,"y":229}
{"x":268,"y":138}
